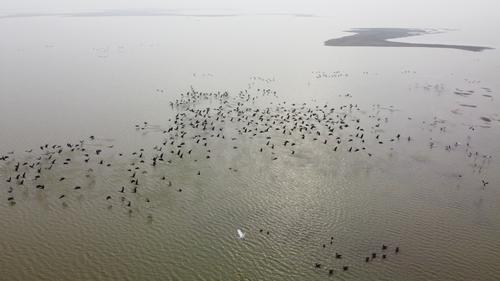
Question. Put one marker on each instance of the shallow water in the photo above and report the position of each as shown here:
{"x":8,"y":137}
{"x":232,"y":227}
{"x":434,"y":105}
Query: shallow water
{"x":63,"y":79}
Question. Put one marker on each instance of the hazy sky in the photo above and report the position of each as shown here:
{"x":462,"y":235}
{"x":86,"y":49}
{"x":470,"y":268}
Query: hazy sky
{"x":444,"y":13}
{"x":443,"y":7}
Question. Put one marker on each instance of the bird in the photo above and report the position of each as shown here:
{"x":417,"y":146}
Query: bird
{"x":241,"y":234}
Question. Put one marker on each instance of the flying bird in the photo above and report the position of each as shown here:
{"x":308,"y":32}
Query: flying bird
{"x":241,"y":234}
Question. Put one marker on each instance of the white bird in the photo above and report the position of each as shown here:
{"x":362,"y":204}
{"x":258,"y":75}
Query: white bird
{"x":241,"y":234}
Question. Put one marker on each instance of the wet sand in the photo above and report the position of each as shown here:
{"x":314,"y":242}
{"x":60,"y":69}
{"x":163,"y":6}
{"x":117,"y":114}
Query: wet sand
{"x":378,"y":37}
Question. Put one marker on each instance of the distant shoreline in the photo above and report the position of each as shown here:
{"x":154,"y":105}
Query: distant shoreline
{"x":378,"y":37}
{"x":148,"y":13}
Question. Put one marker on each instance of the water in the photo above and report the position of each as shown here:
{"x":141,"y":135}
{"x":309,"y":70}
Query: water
{"x":63,"y":79}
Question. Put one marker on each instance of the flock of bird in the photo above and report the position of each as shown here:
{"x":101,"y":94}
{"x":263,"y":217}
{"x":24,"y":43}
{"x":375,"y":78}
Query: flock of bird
{"x":373,"y":256}
{"x":276,"y":127}
{"x":259,"y":118}
{"x":323,"y":74}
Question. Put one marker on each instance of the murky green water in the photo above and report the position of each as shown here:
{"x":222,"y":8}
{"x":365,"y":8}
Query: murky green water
{"x":64,"y":79}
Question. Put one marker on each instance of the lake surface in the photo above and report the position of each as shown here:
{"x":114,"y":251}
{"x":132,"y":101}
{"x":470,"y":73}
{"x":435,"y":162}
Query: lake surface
{"x":117,"y":88}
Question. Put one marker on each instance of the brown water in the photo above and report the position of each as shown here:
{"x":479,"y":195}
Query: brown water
{"x":63,"y":79}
